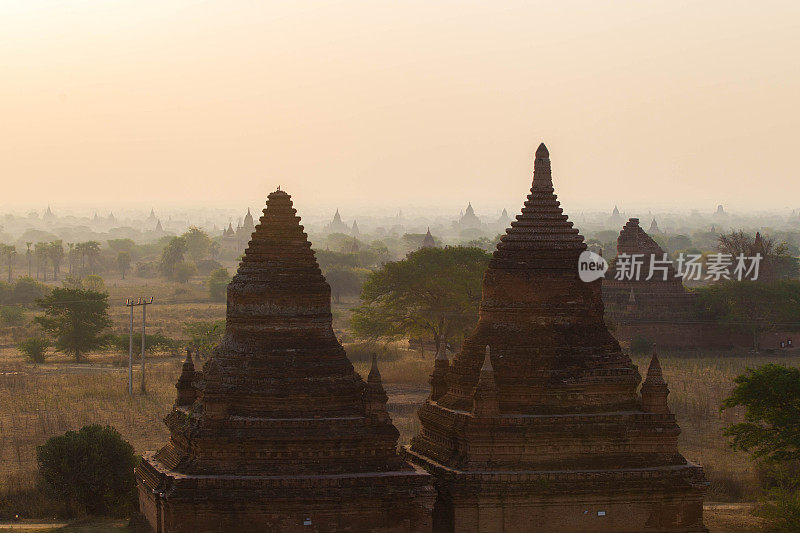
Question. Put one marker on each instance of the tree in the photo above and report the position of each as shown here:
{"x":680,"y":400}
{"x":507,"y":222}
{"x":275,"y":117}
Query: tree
{"x":76,"y":318}
{"x":93,"y":282}
{"x":55,"y":252}
{"x":217,"y":284}
{"x":8,"y":251}
{"x":92,"y":467}
{"x":777,"y":262}
{"x":204,"y":335}
{"x":197,"y":243}
{"x":770,"y":395}
{"x":214,"y":249}
{"x":34,"y":348}
{"x":344,"y":282}
{"x":433,"y":292}
{"x":172,"y":256}
{"x":40,"y":250}
{"x":752,"y":307}
{"x":184,"y":271}
{"x":124,"y":262}
{"x":121,"y":245}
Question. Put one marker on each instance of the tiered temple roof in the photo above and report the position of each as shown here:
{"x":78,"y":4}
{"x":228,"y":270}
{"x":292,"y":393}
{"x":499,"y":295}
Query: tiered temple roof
{"x":541,"y":426}
{"x":428,"y":241}
{"x":283,"y":429}
{"x":661,"y":298}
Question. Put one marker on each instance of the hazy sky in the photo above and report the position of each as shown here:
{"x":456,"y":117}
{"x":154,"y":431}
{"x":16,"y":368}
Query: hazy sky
{"x":386,"y":103}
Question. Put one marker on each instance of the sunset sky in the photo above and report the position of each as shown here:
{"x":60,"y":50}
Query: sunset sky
{"x":671,"y":104}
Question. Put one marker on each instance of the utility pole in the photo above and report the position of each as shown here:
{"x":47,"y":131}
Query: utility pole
{"x":129,"y":302}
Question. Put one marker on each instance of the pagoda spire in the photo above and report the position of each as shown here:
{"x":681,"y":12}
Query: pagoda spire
{"x":441,"y":365}
{"x":654,"y":389}
{"x":187,"y":394}
{"x":375,"y":397}
{"x":485,"y":401}
{"x":542,"y":173}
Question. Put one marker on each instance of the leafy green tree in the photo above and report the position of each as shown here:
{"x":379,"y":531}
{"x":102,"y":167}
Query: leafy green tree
{"x":205,"y":335}
{"x":184,"y":271}
{"x":752,"y":307}
{"x":92,"y":467}
{"x":217,"y":284}
{"x":172,"y":256}
{"x":433,"y":292}
{"x":154,"y":343}
{"x":197,"y":243}
{"x":124,"y":262}
{"x":93,"y":282}
{"x":122,"y":245}
{"x":34,"y":348}
{"x":89,"y":253}
{"x":770,"y":395}
{"x":344,"y":282}
{"x":777,"y":260}
{"x":27,"y":290}
{"x":76,"y":318}
{"x":678,"y":242}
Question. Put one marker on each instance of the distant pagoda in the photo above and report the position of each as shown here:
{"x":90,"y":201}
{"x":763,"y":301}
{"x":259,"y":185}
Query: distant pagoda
{"x":469,"y":219}
{"x":278,"y":432}
{"x":653,"y":227}
{"x":337,"y":225}
{"x":427,"y":241}
{"x":540,"y":427}
{"x":658,"y":308}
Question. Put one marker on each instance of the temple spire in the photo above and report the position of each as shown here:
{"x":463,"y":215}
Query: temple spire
{"x":485,"y":401}
{"x":187,"y":394}
{"x":654,"y":389}
{"x":375,"y":397}
{"x":441,"y":365}
{"x":542,"y":173}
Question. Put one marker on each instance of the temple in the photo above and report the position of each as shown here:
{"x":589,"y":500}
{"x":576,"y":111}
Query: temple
{"x":337,"y":225}
{"x":427,"y":241}
{"x":278,"y":432}
{"x":648,"y":300}
{"x":537,"y":425}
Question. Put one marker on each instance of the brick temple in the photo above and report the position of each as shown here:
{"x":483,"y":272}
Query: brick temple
{"x":659,"y":308}
{"x":278,"y":432}
{"x":537,"y":424}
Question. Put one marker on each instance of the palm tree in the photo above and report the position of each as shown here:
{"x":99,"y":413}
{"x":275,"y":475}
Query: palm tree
{"x":92,"y":251}
{"x":29,"y":255}
{"x":55,"y":251}
{"x":9,"y":250}
{"x":40,"y":251}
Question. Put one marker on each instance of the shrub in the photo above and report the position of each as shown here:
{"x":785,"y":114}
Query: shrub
{"x":183,"y":272}
{"x":11,"y":315}
{"x":217,"y":284}
{"x":153,"y":342}
{"x":205,"y":335}
{"x":781,"y":510}
{"x":27,"y":290}
{"x":146,"y":269}
{"x":207,"y":266}
{"x":641,"y":346}
{"x":34,"y":348}
{"x":92,"y":467}
{"x":94,"y":282}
